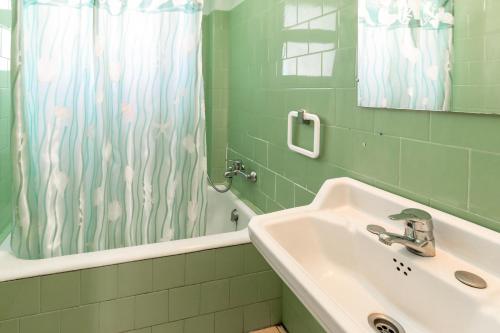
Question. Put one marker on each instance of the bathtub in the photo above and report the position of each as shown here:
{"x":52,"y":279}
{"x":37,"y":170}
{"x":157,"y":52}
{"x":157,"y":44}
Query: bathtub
{"x":221,"y":232}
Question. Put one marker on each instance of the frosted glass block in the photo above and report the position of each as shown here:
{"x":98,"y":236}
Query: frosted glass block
{"x":4,"y":64}
{"x":5,"y":4}
{"x":4,"y":43}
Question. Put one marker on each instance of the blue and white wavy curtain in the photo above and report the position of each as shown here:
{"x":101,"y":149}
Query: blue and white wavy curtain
{"x":109,"y":132}
{"x":404,"y":54}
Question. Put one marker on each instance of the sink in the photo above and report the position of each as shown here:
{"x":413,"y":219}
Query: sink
{"x":343,"y":273}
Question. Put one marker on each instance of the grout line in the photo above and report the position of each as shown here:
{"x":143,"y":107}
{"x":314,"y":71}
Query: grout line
{"x":469,"y":177}
{"x":400,"y":161}
{"x":429,"y":135}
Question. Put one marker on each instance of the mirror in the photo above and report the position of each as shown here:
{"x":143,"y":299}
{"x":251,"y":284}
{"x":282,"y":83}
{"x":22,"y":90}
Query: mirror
{"x":404,"y":54}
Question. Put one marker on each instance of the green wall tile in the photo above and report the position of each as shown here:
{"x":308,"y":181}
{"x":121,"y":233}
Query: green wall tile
{"x":84,"y":319}
{"x":5,"y":125}
{"x":322,"y":103}
{"x":468,"y":215}
{"x":440,"y":172}
{"x":261,"y":152}
{"x":216,"y":78}
{"x":295,"y":165}
{"x":5,"y":103}
{"x":135,"y":278}
{"x":244,"y":290}
{"x":59,"y":291}
{"x":302,"y":196}
{"x":99,"y":284}
{"x":200,"y":324}
{"x":151,"y":309}
{"x":492,"y":48}
{"x":117,"y":315}
{"x":296,"y":317}
{"x":348,"y":25}
{"x":402,"y":123}
{"x":142,"y":330}
{"x":4,"y":83}
{"x":214,"y":296}
{"x":267,"y":182}
{"x":254,"y":262}
{"x":256,"y":316}
{"x":200,"y":266}
{"x":229,"y":321}
{"x":41,"y":323}
{"x":204,"y":307}
{"x":485,"y":184}
{"x":348,"y":115}
{"x":269,"y":285}
{"x":284,"y":192}
{"x":9,"y":326}
{"x":275,"y":308}
{"x":19,"y":298}
{"x":169,"y":272}
{"x":469,"y":49}
{"x":184,"y":302}
{"x":229,"y":261}
{"x":376,"y":156}
{"x":174,"y":327}
{"x":272,"y":206}
{"x":356,"y":142}
{"x":467,"y":130}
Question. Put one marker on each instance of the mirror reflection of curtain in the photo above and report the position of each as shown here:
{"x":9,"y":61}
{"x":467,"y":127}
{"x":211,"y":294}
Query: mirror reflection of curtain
{"x":404,"y":54}
{"x":109,"y":132}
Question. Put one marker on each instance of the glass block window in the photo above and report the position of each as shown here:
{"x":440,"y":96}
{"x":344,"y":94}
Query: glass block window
{"x":4,"y":48}
{"x":5,"y":4}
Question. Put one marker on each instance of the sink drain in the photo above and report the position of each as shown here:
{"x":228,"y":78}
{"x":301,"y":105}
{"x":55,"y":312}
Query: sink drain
{"x":384,"y":324}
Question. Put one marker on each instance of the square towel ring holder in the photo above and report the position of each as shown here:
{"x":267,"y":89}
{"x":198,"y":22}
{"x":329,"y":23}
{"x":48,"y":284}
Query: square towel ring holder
{"x":304,"y":117}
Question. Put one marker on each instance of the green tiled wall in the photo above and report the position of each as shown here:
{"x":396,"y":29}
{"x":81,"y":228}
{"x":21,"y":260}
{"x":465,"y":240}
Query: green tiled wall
{"x":216,"y":77}
{"x":296,"y":317}
{"x":5,"y":120}
{"x":291,"y":54}
{"x":226,"y":290}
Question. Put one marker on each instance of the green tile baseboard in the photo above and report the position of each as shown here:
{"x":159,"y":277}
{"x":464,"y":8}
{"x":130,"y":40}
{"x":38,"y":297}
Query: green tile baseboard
{"x":149,"y":296}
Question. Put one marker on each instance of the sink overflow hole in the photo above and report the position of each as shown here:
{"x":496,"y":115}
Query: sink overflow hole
{"x":401,"y":267}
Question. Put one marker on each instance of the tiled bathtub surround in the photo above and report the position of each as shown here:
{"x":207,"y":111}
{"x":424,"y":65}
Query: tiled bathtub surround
{"x":293,"y":54}
{"x":224,"y":290}
{"x":216,"y":77}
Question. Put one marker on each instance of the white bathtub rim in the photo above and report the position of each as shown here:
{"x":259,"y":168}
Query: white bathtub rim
{"x":12,"y":268}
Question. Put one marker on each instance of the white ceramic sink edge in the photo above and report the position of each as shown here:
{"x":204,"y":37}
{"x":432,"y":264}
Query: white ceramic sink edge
{"x":297,"y":280}
{"x":344,"y":201}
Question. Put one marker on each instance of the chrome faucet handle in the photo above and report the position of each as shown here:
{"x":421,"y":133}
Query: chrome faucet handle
{"x":416,"y":219}
{"x":237,"y":164}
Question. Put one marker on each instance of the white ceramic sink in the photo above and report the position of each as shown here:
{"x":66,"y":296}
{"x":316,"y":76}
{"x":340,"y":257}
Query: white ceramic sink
{"x":342,"y":273}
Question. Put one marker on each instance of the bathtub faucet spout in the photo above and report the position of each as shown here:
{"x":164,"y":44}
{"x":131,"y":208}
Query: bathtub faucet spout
{"x":238,"y":168}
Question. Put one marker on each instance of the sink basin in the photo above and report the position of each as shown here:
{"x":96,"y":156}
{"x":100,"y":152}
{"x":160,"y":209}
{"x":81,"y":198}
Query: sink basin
{"x":343,"y":273}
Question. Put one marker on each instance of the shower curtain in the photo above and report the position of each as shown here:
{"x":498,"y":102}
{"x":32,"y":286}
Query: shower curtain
{"x":405,"y":54}
{"x":109,"y":128}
